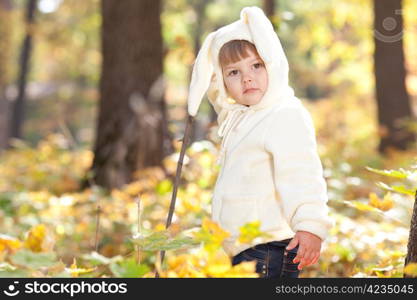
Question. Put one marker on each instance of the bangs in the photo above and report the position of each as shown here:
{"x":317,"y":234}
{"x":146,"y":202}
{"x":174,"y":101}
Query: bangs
{"x":235,"y":50}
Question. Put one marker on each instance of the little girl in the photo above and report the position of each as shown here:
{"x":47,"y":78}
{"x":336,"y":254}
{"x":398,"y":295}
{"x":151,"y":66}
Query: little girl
{"x":270,"y":169}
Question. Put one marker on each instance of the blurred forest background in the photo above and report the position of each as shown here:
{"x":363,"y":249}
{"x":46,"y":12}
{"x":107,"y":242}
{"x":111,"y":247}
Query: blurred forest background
{"x":93,"y":108}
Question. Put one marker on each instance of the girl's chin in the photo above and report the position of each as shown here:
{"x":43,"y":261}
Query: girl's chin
{"x":251,"y":101}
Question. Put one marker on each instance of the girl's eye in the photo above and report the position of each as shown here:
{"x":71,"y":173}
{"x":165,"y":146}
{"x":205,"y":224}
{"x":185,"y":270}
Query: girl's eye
{"x":258,"y":65}
{"x":233,"y":72}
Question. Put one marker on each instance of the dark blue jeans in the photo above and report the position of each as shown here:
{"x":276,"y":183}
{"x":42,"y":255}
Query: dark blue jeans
{"x":272,"y":259}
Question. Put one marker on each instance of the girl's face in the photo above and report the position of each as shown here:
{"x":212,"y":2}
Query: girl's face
{"x":246,"y":81}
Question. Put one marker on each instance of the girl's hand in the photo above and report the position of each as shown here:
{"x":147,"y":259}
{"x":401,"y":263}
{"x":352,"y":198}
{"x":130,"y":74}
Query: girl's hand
{"x":309,"y":250}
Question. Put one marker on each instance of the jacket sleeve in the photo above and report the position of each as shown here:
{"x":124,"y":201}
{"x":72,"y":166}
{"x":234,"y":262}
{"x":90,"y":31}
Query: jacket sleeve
{"x":298,"y":172}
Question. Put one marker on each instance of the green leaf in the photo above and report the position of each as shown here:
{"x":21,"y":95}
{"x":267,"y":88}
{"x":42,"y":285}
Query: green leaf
{"x":6,"y":203}
{"x":29,"y":259}
{"x":383,"y":269}
{"x":396,"y":188}
{"x":152,"y":242}
{"x":360,"y":205}
{"x":129,"y":268}
{"x":180,"y":243}
{"x":344,"y":253}
{"x":161,"y":240}
{"x":6,"y":266}
{"x":164,"y":187}
{"x":98,"y":259}
{"x":401,"y":173}
{"x":8,"y":270}
{"x":13,"y":273}
{"x":203,"y":182}
{"x":63,"y":274}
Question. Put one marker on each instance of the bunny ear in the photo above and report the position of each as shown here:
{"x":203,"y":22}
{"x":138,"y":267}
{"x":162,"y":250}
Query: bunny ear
{"x":262,"y":32}
{"x":201,"y":75}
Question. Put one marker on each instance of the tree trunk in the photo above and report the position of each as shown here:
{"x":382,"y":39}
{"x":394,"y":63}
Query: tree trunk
{"x":392,"y":98}
{"x":5,"y":57}
{"x":19,"y":105}
{"x":269,"y":9}
{"x":130,"y":129}
{"x":412,"y":239}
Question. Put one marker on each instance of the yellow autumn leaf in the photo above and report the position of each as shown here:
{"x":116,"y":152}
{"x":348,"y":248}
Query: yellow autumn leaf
{"x":8,"y":243}
{"x":411,"y":269}
{"x":187,"y":270}
{"x":190,"y":207}
{"x":211,"y":234}
{"x":176,"y":261}
{"x":75,"y":271}
{"x":218,"y":264}
{"x":159,"y":227}
{"x":385,"y":204}
{"x":250,"y":231}
{"x":360,"y":205}
{"x":192,"y":273}
{"x":149,"y":275}
{"x":39,"y":239}
{"x":242,"y":270}
{"x":373,"y":199}
{"x":207,"y":264}
{"x":213,"y":228}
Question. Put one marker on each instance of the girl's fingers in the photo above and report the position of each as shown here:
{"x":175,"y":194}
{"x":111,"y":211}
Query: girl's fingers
{"x":316,"y":259}
{"x":304,"y":259}
{"x":300,"y":255}
{"x":293,"y":243}
{"x":308,"y":257}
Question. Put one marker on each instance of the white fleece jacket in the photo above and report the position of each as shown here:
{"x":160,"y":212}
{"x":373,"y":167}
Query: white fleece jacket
{"x":270,"y":168}
{"x":272,"y":173}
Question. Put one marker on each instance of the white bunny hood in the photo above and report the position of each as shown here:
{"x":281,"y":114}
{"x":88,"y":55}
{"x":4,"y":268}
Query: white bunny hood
{"x":255,"y":27}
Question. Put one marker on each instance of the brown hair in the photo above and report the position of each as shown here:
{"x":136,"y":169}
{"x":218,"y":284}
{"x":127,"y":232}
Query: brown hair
{"x":235,"y":50}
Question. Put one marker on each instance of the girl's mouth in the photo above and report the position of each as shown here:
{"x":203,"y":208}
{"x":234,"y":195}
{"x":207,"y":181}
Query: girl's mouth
{"x":250,"y":91}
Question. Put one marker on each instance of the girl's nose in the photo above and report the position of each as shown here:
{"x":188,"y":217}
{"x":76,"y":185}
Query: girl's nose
{"x":247,"y":78}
